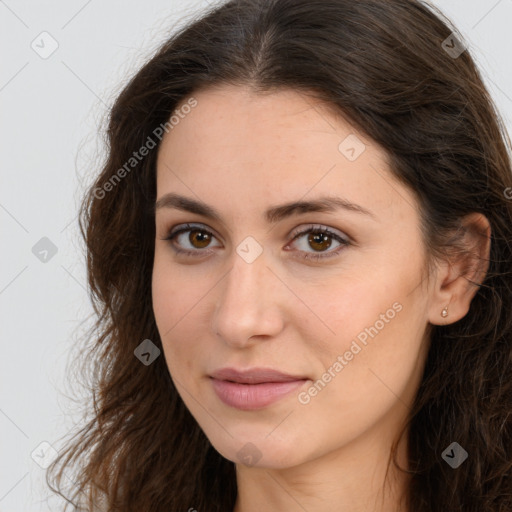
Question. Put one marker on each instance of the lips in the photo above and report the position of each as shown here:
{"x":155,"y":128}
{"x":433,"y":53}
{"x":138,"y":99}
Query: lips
{"x":255,"y":388}
{"x":254,"y":375}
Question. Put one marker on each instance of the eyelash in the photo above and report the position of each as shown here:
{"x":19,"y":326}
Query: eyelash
{"x":307,"y":256}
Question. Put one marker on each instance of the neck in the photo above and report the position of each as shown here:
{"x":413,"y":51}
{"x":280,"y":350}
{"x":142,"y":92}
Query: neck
{"x":352,"y":478}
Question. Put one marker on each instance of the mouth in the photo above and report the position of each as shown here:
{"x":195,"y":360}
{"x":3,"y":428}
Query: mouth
{"x":255,"y":388}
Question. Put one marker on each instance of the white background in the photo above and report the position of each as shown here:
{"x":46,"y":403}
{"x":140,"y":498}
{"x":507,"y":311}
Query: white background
{"x":51,"y":111}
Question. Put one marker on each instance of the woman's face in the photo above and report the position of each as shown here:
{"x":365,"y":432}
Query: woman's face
{"x":348,"y":327}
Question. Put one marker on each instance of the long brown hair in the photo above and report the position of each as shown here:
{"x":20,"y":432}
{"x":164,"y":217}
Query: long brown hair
{"x":398,"y":71}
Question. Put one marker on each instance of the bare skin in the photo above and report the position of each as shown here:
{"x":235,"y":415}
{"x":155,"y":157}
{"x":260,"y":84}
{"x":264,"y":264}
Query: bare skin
{"x":242,"y":154}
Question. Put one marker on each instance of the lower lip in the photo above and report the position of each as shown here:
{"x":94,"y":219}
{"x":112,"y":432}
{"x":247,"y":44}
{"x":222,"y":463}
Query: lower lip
{"x":253,"y":396}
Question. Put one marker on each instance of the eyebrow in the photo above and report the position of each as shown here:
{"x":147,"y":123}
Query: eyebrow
{"x":272,"y":215}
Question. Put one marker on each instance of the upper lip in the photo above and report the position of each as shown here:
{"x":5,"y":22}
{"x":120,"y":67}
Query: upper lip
{"x":253,"y":375}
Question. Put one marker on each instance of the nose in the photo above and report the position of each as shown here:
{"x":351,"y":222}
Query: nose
{"x":250,"y":303}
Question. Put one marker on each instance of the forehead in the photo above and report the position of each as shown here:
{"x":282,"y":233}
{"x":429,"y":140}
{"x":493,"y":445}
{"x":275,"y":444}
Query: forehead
{"x":232,"y":114}
{"x":269,"y":148}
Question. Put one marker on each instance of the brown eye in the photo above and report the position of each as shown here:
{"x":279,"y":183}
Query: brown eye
{"x":319,"y":241}
{"x":314,"y":247}
{"x":199,"y":238}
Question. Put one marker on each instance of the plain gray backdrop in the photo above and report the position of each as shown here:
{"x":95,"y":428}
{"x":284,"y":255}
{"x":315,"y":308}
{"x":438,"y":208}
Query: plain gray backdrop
{"x":62,"y":65}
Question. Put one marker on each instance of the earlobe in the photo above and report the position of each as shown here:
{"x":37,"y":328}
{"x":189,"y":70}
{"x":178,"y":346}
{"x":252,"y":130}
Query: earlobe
{"x":459,"y":279}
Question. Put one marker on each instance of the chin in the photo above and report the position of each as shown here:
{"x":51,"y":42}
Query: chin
{"x":259,"y":451}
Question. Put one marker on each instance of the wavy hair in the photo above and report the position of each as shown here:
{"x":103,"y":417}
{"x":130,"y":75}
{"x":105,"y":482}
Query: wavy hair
{"x":391,"y":67}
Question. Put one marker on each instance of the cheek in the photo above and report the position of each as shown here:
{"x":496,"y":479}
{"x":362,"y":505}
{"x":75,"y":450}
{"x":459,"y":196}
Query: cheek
{"x":340,"y":309}
{"x":173,"y":307}
{"x":173,"y":295}
{"x":367,"y":367}
{"x":373,"y":319}
{"x":182,"y":306}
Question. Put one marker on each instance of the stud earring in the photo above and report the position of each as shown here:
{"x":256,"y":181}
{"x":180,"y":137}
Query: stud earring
{"x":444,"y":313}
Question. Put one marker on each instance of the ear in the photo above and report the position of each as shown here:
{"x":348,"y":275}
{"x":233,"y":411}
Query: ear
{"x":458,"y":278}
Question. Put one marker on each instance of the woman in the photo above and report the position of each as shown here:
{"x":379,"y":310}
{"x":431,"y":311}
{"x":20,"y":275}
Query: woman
{"x":299,"y":251}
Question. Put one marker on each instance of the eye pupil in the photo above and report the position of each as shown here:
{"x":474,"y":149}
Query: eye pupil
{"x":203,"y":239}
{"x":319,"y":239}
